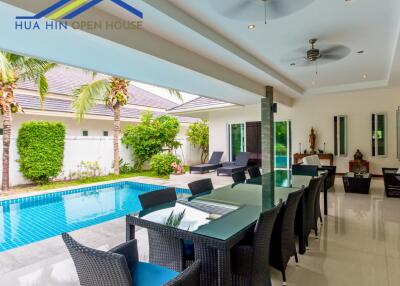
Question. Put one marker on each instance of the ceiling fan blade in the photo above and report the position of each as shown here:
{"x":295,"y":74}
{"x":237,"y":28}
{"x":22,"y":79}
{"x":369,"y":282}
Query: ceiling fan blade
{"x":281,"y":8}
{"x":337,"y":50}
{"x":332,"y":57}
{"x":253,"y":10}
{"x":242,"y":10}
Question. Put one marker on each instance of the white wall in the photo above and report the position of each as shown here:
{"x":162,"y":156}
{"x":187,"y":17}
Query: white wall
{"x":318,"y":112}
{"x":94,"y":148}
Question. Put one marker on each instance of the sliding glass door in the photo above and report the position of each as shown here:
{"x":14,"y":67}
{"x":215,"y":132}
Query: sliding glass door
{"x":237,"y":139}
{"x":282,"y":146}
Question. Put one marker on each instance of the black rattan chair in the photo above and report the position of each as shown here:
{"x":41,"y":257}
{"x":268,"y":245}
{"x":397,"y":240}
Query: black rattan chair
{"x":250,"y":262}
{"x":254,"y":172}
{"x":310,"y":196}
{"x":239,"y":177}
{"x":201,"y":186}
{"x":283,"y":241}
{"x":120,"y":266}
{"x":164,"y":250}
{"x":154,"y":198}
{"x":318,"y":214}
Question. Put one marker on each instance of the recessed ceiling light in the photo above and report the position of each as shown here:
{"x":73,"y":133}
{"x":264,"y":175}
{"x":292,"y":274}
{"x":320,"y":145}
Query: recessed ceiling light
{"x":251,"y":27}
{"x":360,"y":52}
{"x":364,"y":76}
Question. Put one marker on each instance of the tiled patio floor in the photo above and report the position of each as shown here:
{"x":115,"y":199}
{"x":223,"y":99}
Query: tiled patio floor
{"x":359,"y":245}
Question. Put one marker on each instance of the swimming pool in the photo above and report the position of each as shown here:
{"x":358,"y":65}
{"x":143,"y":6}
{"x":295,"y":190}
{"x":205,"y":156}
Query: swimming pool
{"x":31,"y":219}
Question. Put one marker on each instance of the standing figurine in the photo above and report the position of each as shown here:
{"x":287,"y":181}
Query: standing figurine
{"x":312,"y":140}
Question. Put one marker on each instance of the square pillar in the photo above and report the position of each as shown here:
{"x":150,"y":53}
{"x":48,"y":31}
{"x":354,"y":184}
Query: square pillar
{"x":267,"y":130}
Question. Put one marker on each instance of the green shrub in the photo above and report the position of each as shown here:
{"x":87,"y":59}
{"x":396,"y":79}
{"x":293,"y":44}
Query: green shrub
{"x":150,"y":136}
{"x":124,"y":167}
{"x":161,"y":164}
{"x":41,"y":150}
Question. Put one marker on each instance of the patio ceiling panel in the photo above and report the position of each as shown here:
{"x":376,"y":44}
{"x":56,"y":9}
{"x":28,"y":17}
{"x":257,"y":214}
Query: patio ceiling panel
{"x":141,"y":56}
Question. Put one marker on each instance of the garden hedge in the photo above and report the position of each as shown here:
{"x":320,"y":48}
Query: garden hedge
{"x":41,"y":150}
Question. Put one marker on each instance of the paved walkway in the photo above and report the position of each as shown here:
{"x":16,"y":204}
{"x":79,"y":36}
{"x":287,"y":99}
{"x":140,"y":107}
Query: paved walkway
{"x":359,"y":244}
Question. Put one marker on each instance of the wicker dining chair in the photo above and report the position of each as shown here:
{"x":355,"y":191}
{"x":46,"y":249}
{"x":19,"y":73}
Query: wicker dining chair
{"x":283,"y":240}
{"x":120,"y":266}
{"x":158,"y":197}
{"x":165,"y":250}
{"x":201,"y":186}
{"x":310,"y":197}
{"x":321,"y":189}
{"x":250,"y":262}
{"x":254,"y":172}
{"x":239,"y":177}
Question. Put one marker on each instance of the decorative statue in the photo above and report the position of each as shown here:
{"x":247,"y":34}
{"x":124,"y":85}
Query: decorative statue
{"x":312,"y":140}
{"x":358,"y":156}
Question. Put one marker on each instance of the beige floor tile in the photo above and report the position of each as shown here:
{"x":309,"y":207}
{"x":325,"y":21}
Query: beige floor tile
{"x":358,"y":244}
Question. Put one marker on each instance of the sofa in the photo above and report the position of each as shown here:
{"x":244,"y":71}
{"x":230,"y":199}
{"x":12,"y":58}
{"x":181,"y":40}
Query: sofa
{"x":313,"y":160}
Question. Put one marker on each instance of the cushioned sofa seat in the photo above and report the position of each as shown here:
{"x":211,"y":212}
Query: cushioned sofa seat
{"x":147,"y":274}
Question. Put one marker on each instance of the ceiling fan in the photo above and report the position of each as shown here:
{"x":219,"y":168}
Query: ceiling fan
{"x":257,"y":10}
{"x":322,"y":55}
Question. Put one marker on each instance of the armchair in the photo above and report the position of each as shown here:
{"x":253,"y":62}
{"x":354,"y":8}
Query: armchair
{"x":120,"y":266}
{"x":391,"y":179}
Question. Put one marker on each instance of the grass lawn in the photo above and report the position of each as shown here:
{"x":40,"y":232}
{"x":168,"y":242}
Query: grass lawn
{"x":65,"y":184}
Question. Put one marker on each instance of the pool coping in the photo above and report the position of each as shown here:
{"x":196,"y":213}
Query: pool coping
{"x":36,"y":193}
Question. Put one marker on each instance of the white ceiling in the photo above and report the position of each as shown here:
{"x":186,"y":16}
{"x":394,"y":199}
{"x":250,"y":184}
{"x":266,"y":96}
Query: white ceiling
{"x":368,"y":25}
{"x":189,"y":46}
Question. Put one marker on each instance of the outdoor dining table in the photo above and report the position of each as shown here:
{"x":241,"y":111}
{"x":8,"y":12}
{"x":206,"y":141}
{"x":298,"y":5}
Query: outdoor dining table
{"x":216,"y":221}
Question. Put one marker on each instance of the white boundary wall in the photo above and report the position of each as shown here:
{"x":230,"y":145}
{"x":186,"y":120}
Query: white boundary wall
{"x":92,"y":149}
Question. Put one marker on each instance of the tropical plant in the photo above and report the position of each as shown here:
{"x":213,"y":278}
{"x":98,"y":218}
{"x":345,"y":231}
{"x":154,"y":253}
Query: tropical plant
{"x":15,"y":68}
{"x":162,"y":164}
{"x":41,"y":150}
{"x":125,"y":167}
{"x":150,"y":136}
{"x":114,"y":93}
{"x":198,"y":135}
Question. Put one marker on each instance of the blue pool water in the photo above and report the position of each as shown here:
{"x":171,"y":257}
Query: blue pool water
{"x":31,"y":219}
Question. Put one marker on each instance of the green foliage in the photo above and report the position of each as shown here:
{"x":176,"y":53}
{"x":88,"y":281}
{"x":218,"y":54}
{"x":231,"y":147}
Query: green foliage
{"x":124,"y":167}
{"x":41,"y":150}
{"x":280,"y":149}
{"x":148,"y":138}
{"x":198,"y":134}
{"x":161,"y":164}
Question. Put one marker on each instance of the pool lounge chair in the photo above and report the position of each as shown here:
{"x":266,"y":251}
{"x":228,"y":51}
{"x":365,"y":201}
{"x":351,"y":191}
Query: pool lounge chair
{"x":240,"y":164}
{"x":212,"y":165}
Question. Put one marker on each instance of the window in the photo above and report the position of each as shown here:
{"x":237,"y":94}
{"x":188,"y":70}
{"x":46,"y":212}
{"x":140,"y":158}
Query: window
{"x":105,"y":133}
{"x":237,"y":139}
{"x":340,"y":136}
{"x":85,"y":133}
{"x":1,"y":131}
{"x":379,"y":134}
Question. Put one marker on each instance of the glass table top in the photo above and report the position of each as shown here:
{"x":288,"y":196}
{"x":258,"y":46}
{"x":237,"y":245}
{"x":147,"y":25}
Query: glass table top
{"x":223,"y":212}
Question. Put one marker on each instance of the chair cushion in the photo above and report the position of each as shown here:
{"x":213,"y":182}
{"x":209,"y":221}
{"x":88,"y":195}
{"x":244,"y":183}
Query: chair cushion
{"x":188,"y":248}
{"x":147,"y":274}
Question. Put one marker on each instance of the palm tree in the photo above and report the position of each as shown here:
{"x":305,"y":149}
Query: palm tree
{"x":114,"y":92}
{"x":14,"y":68}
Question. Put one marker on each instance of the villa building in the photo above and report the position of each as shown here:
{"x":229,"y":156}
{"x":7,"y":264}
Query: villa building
{"x":302,"y":185}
